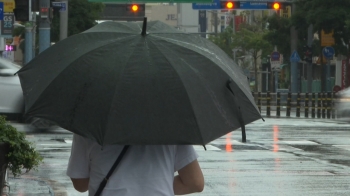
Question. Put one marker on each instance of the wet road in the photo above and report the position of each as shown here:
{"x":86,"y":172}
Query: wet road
{"x":281,"y":157}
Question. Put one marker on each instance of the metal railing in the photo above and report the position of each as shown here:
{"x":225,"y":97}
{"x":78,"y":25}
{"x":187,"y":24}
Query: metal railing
{"x":314,"y":105}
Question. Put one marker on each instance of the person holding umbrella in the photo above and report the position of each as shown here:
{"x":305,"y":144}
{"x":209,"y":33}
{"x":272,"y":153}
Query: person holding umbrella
{"x":140,"y":84}
{"x":144,"y":169}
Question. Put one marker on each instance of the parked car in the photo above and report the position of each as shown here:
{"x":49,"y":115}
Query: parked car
{"x":342,"y":105}
{"x":11,"y":96}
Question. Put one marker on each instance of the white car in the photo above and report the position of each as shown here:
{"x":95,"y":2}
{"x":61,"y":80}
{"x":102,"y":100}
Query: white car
{"x":342,"y":105}
{"x":11,"y":96}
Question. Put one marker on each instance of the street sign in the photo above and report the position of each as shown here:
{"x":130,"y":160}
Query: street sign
{"x":275,"y":56}
{"x":1,"y":10}
{"x":215,"y":5}
{"x":152,"y":1}
{"x":62,"y":5}
{"x":328,"y":52}
{"x":7,"y":25}
{"x":294,"y":58}
{"x":244,"y":5}
{"x":9,"y":5}
{"x":253,"y":5}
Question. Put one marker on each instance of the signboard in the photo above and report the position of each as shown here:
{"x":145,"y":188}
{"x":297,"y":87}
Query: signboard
{"x":214,"y":5}
{"x":343,"y":74}
{"x":202,"y":20}
{"x":327,"y":39}
{"x":9,"y":5}
{"x":328,"y":52}
{"x":8,"y":41}
{"x":294,"y":58}
{"x":62,"y":5}
{"x":253,"y":5}
{"x":7,"y":25}
{"x":275,"y":56}
{"x":244,"y":5}
{"x":152,"y":1}
{"x":275,"y":64}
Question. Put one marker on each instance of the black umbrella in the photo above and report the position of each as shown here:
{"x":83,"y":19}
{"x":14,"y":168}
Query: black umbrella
{"x":117,"y":84}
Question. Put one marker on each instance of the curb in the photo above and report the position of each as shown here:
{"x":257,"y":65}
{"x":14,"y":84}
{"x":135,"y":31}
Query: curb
{"x":33,"y":186}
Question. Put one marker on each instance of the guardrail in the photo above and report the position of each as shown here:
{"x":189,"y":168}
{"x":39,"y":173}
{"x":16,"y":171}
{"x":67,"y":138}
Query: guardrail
{"x":314,"y":105}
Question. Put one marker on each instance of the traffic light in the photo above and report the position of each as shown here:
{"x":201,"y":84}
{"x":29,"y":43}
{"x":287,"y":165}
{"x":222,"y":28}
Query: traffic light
{"x":229,"y":5}
{"x":135,"y":8}
{"x":277,"y":5}
{"x":44,"y":12}
{"x":44,"y":9}
{"x":307,"y":54}
{"x":21,"y":11}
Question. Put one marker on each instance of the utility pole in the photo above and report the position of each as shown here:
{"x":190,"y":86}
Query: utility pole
{"x":28,"y":43}
{"x":216,"y":22}
{"x":44,"y":25}
{"x":294,"y":65}
{"x":28,"y":56}
{"x":64,"y":20}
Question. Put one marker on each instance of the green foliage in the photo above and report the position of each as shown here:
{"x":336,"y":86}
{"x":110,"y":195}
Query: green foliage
{"x":223,"y":40}
{"x":82,"y":16}
{"x":22,"y":154}
{"x":279,"y":34}
{"x":325,"y":15}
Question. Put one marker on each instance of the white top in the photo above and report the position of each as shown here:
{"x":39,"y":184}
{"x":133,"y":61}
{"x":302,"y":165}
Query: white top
{"x":144,"y":170}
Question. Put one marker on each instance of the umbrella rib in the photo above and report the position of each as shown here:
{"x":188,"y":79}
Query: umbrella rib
{"x":166,"y":58}
{"x":201,"y":49}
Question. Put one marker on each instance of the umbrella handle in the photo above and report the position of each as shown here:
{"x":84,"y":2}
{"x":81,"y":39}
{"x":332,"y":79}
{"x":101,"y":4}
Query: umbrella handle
{"x":144,"y":26}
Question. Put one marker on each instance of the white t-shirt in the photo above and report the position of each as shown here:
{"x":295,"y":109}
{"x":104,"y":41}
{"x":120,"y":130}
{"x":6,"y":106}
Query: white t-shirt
{"x":144,"y":170}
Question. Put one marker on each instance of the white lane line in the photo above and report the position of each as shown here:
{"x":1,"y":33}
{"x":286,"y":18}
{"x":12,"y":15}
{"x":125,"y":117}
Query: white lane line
{"x":304,"y":142}
{"x":209,"y":148}
{"x":345,"y":147}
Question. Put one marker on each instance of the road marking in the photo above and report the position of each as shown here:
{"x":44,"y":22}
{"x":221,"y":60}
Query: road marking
{"x":209,"y":148}
{"x":68,"y":141}
{"x":303,"y":142}
{"x":345,"y":147}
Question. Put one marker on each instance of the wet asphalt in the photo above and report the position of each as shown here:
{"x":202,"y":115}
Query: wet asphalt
{"x":282,"y":156}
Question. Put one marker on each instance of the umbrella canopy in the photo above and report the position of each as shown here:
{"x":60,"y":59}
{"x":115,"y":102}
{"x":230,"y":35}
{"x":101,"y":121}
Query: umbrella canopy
{"x":118,"y":84}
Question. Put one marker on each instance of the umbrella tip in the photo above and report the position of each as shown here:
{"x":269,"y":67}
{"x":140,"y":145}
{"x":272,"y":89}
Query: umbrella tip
{"x":144,"y":25}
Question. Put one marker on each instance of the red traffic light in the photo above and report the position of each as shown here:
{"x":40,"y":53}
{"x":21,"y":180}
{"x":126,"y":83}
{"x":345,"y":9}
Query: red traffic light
{"x":276,"y":6}
{"x":134,"y":8}
{"x":228,"y":5}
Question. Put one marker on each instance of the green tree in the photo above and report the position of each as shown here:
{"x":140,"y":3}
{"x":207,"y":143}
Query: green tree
{"x":82,"y":16}
{"x":223,"y":40}
{"x":325,"y":15}
{"x":252,"y":42}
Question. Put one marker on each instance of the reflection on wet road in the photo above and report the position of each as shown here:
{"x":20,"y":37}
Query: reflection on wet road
{"x":281,"y":157}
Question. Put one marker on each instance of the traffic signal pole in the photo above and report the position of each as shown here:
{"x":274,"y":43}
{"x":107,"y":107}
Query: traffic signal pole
{"x":44,"y":25}
{"x":28,"y":50}
{"x":294,"y":65}
{"x":309,"y":65}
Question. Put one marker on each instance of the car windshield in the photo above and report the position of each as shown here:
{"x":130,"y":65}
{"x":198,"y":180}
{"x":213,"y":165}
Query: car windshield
{"x":6,"y":64}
